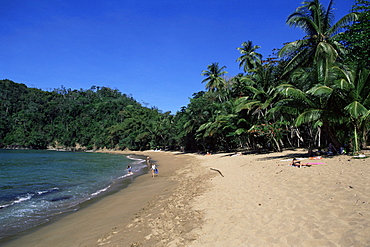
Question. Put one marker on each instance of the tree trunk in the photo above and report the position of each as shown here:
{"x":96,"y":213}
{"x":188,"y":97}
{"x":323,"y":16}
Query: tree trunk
{"x":355,"y":147}
{"x":277,"y":144}
{"x":364,"y":139}
{"x":318,"y":136}
{"x":332,"y":135}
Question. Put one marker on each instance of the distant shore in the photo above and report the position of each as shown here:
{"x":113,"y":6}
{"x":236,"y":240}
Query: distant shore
{"x":244,"y":200}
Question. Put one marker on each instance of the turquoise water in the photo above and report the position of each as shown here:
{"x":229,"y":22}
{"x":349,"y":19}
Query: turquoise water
{"x":36,"y":186}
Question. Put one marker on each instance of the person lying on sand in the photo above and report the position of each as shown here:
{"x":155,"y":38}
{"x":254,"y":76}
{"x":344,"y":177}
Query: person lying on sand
{"x":298,"y":163}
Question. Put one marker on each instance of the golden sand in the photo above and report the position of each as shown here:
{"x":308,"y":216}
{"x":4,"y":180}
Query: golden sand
{"x":259,"y":201}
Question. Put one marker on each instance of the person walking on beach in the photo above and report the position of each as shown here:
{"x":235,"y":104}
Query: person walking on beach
{"x":148,"y":161}
{"x":129,"y":169}
{"x":154,"y":169}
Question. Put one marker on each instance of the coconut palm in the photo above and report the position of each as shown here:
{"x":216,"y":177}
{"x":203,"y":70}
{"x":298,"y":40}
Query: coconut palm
{"x":214,"y":77}
{"x":238,"y":84}
{"x":319,"y":45}
{"x":343,"y":99}
{"x":249,"y":59}
{"x":220,"y":127}
{"x":259,"y":98}
{"x":261,"y":87}
{"x":355,"y":87}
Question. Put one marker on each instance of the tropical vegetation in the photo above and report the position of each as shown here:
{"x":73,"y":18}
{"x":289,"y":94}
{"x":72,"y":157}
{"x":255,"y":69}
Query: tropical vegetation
{"x":314,"y":91}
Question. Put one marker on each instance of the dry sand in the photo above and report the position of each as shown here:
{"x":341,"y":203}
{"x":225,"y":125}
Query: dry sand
{"x":262,"y":201}
{"x":259,"y":201}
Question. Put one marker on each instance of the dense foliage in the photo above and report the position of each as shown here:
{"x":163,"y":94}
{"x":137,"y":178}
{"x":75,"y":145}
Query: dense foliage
{"x":65,"y":118}
{"x":315,"y":93}
{"x":356,"y":37}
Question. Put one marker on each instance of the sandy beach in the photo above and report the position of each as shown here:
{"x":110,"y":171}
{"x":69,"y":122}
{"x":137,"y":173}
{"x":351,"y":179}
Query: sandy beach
{"x":256,"y":200}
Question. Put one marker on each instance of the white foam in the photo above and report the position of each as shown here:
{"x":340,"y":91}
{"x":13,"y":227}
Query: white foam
{"x":47,"y":191}
{"x":18,"y":200}
{"x":100,"y":191}
{"x":138,"y":161}
{"x":21,"y":199}
{"x":131,"y":158}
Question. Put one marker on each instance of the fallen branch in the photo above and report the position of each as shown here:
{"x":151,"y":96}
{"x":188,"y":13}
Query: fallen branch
{"x":217,"y":171}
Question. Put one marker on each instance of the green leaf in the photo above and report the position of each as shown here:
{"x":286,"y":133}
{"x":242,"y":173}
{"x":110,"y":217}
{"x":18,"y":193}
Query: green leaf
{"x":308,"y":116}
{"x":356,"y":110}
{"x":320,"y":90}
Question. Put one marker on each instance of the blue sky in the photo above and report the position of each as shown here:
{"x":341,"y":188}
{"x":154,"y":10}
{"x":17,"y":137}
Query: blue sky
{"x":152,"y":50}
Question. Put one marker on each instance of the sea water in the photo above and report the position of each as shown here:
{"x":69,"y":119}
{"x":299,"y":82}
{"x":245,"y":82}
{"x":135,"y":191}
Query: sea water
{"x":36,"y":186}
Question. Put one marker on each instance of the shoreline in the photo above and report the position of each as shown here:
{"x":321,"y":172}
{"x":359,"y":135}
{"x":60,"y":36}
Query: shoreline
{"x":110,"y":185}
{"x":116,"y":185}
{"x":96,"y":223}
{"x":258,"y":201}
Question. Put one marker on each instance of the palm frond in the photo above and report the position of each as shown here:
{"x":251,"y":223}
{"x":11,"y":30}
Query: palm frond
{"x":345,"y":20}
{"x":329,"y":16}
{"x":241,"y":131}
{"x":241,"y":120}
{"x":356,"y":110}
{"x":320,"y":90}
{"x":283,"y":109}
{"x":292,"y":47}
{"x":252,"y":89}
{"x":317,"y":124}
{"x":290,"y":91}
{"x":308,"y":116}
{"x":247,"y":105}
{"x":326,"y":51}
{"x":343,"y":84}
{"x":206,"y":127}
{"x":301,"y":58}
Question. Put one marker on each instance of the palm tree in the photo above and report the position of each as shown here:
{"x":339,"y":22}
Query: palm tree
{"x":249,"y":59}
{"x":214,"y":79}
{"x":343,"y":100}
{"x":259,"y":99}
{"x":319,"y":45}
{"x":355,"y":87}
{"x":219,"y":129}
{"x":238,"y":85}
{"x":261,"y":87}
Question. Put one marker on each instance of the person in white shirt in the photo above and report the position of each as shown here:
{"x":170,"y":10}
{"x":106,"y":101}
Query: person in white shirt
{"x":153,"y":169}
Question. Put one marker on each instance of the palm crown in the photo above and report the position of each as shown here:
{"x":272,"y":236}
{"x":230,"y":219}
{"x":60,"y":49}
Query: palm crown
{"x":319,"y":44}
{"x":249,"y":59}
{"x":214,"y":78}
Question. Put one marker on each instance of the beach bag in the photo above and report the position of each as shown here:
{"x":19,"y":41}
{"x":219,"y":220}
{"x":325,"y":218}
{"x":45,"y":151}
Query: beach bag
{"x":156,"y":171}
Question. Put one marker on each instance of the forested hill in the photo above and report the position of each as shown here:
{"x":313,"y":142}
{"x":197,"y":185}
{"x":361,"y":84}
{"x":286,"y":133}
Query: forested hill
{"x":64,"y":118}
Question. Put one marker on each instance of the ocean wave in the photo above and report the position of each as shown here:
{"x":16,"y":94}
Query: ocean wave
{"x":100,"y":191}
{"x":27,"y":196}
{"x":17,"y":200}
{"x":43,"y":192}
{"x":127,"y":175}
{"x":133,"y":158}
{"x":138,"y":161}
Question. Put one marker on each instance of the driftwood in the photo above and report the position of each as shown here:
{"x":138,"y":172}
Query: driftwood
{"x":217,"y":171}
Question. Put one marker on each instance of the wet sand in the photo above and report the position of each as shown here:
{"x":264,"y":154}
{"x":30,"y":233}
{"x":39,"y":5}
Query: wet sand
{"x":118,"y":219}
{"x":258,"y":201}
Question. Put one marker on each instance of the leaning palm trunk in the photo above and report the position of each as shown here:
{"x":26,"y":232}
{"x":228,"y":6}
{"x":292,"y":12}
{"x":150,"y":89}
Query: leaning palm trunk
{"x":318,"y":136}
{"x":278,"y":148}
{"x":355,"y":146}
